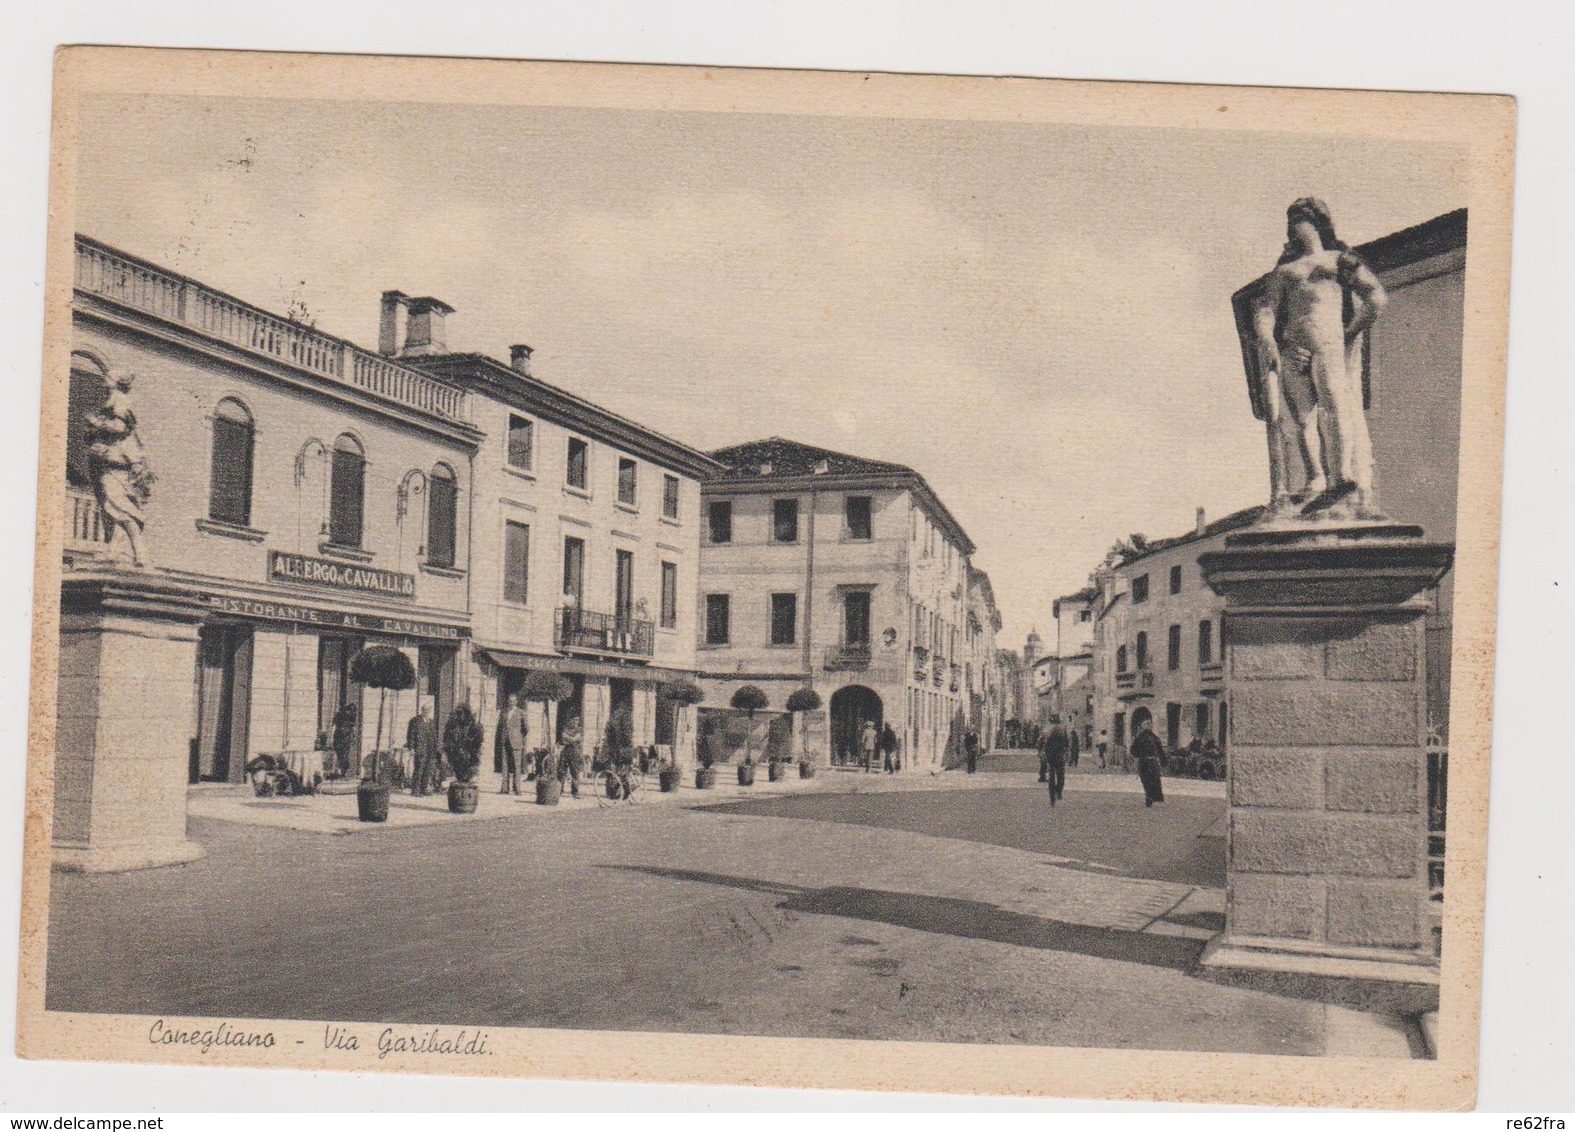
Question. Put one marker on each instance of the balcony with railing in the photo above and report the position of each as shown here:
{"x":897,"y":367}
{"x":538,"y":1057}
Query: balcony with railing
{"x":581,"y":630}
{"x":1212,"y":674}
{"x":855,"y":654}
{"x":142,"y":286}
{"x":87,"y":531}
{"x":1135,"y":684}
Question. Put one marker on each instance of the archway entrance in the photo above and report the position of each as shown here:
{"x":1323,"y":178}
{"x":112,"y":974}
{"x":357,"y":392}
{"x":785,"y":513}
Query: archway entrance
{"x":1139,"y":717}
{"x":850,"y":708}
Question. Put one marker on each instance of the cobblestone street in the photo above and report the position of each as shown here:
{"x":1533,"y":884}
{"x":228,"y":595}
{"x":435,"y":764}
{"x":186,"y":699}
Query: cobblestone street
{"x":952,"y":909}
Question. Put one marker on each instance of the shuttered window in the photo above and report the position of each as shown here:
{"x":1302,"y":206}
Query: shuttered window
{"x":669,"y":595}
{"x":441,"y":500}
{"x":347,"y":494}
{"x":516,"y":563}
{"x":230,"y":484}
{"x":522,"y":442}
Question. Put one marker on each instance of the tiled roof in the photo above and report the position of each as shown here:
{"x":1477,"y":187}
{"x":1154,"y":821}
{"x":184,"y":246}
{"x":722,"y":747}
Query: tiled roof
{"x":790,"y":458}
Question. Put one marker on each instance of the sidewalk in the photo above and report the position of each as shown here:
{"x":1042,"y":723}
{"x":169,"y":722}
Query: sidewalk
{"x":336,"y":813}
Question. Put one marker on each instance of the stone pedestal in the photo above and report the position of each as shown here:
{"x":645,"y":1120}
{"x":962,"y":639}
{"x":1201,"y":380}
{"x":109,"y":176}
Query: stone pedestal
{"x":128,"y":656}
{"x":1326,"y":867}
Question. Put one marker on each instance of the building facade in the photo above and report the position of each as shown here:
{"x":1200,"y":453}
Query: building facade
{"x":585,"y":540}
{"x":292,"y":521}
{"x":849,"y":576}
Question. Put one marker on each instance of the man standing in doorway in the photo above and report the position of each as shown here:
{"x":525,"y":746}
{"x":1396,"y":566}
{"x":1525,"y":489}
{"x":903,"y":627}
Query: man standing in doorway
{"x":971,"y":749}
{"x":1055,"y":746}
{"x":422,"y":741}
{"x":1150,"y":755}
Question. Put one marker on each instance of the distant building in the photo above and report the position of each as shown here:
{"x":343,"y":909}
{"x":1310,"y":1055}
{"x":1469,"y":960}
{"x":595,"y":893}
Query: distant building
{"x":1071,"y":686}
{"x":848,"y":575}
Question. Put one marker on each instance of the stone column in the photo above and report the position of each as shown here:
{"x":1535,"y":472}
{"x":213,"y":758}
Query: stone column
{"x":1325,"y":652}
{"x":125,"y":716}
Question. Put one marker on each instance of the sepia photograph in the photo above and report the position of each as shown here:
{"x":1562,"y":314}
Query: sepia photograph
{"x":818,"y":579}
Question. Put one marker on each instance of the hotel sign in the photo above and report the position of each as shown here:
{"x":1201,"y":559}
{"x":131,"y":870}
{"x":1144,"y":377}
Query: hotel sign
{"x":332,"y":618}
{"x":285,"y":567}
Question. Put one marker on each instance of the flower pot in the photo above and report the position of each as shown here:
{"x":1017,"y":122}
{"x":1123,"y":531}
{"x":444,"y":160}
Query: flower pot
{"x":371,"y":801}
{"x":806,"y":770}
{"x":705,"y":778}
{"x":548,"y":791}
{"x":670,"y":777}
{"x":746,"y":774}
{"x":462,"y":797}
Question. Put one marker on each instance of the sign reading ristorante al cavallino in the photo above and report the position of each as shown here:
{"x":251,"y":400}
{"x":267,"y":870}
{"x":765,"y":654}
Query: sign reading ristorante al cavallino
{"x":286,"y":567}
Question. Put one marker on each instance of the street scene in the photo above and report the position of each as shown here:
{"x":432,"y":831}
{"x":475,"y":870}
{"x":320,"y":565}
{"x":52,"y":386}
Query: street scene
{"x":879,"y":603}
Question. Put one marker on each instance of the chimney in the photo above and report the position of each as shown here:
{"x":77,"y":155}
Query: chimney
{"x":1202,"y":522}
{"x":391,"y":326}
{"x":519,"y":359}
{"x":425,"y":335}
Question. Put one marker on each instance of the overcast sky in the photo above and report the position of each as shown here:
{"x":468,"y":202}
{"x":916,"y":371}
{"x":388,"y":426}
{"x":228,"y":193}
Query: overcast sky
{"x":1035,"y":317}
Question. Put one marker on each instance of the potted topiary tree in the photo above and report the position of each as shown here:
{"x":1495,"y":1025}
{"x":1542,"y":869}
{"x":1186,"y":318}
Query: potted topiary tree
{"x":547,"y":688}
{"x":681,"y":694}
{"x":748,"y":699}
{"x":386,"y":669}
{"x":800,"y":701}
{"x":462,"y":738}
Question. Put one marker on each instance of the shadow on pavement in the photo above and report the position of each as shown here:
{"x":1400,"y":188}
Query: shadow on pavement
{"x":967,"y":919}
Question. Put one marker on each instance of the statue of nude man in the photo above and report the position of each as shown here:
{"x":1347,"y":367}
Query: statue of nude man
{"x":1309,"y":320}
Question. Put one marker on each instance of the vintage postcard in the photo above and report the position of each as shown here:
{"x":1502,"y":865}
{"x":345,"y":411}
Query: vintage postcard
{"x":783,"y":578}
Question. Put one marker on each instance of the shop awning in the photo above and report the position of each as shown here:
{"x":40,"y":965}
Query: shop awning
{"x":569,"y":666}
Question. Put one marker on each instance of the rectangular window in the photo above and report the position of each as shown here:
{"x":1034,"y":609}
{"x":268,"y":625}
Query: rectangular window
{"x":623,"y":597}
{"x":1085,"y":615}
{"x":573,"y":571}
{"x":784,"y":520}
{"x":856,"y":619}
{"x":670,"y":496}
{"x":720,"y":516}
{"x":522,"y":443}
{"x":859,"y":511}
{"x":1118,"y":727}
{"x":1173,"y":649}
{"x":1139,"y":588}
{"x":669,"y":595}
{"x":516,"y":562}
{"x":1175,"y":579}
{"x":577,"y":473}
{"x":1172,"y":726}
{"x":1205,"y":642}
{"x":1142,"y":652}
{"x":718,"y":617}
{"x":1200,"y":726}
{"x":628,"y":481}
{"x":784,"y":619}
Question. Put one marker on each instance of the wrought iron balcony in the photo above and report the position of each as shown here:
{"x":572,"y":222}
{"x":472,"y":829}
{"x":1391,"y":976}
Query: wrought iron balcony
{"x":854,"y":655}
{"x":581,"y":630}
{"x":143,"y":286}
{"x":1212,"y":673}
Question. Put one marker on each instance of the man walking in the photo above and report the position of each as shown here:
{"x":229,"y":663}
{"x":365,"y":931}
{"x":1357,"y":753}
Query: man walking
{"x":971,"y":749}
{"x":1150,"y":755}
{"x":1055,"y":747}
{"x":1071,"y":755}
{"x":867,"y":742}
{"x":888,"y":749}
{"x":422,"y":740}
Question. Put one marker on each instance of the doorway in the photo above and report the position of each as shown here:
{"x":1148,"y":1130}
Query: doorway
{"x":851,"y":707}
{"x":336,"y":688}
{"x":435,"y":678}
{"x":224,"y":681}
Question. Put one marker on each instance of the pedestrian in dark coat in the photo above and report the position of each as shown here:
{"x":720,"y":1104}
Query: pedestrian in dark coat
{"x":888,"y":749}
{"x":422,"y":739}
{"x":1056,"y":745}
{"x":1044,"y":762}
{"x":1071,"y":756}
{"x":1150,"y":755}
{"x":971,"y":748}
{"x":347,"y":725}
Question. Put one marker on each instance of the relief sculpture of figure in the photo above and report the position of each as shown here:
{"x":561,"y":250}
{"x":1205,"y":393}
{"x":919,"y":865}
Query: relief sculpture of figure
{"x":118,"y":464}
{"x":1308,"y":322}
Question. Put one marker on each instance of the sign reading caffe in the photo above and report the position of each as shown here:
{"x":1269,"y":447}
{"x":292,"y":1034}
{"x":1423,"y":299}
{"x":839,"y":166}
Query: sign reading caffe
{"x":286,"y":567}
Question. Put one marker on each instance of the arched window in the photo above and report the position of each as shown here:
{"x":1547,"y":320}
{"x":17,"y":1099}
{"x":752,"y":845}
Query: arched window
{"x":86,"y":396}
{"x":1121,"y":659}
{"x":442,"y":494}
{"x":230,"y":477}
{"x":347,"y":493}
